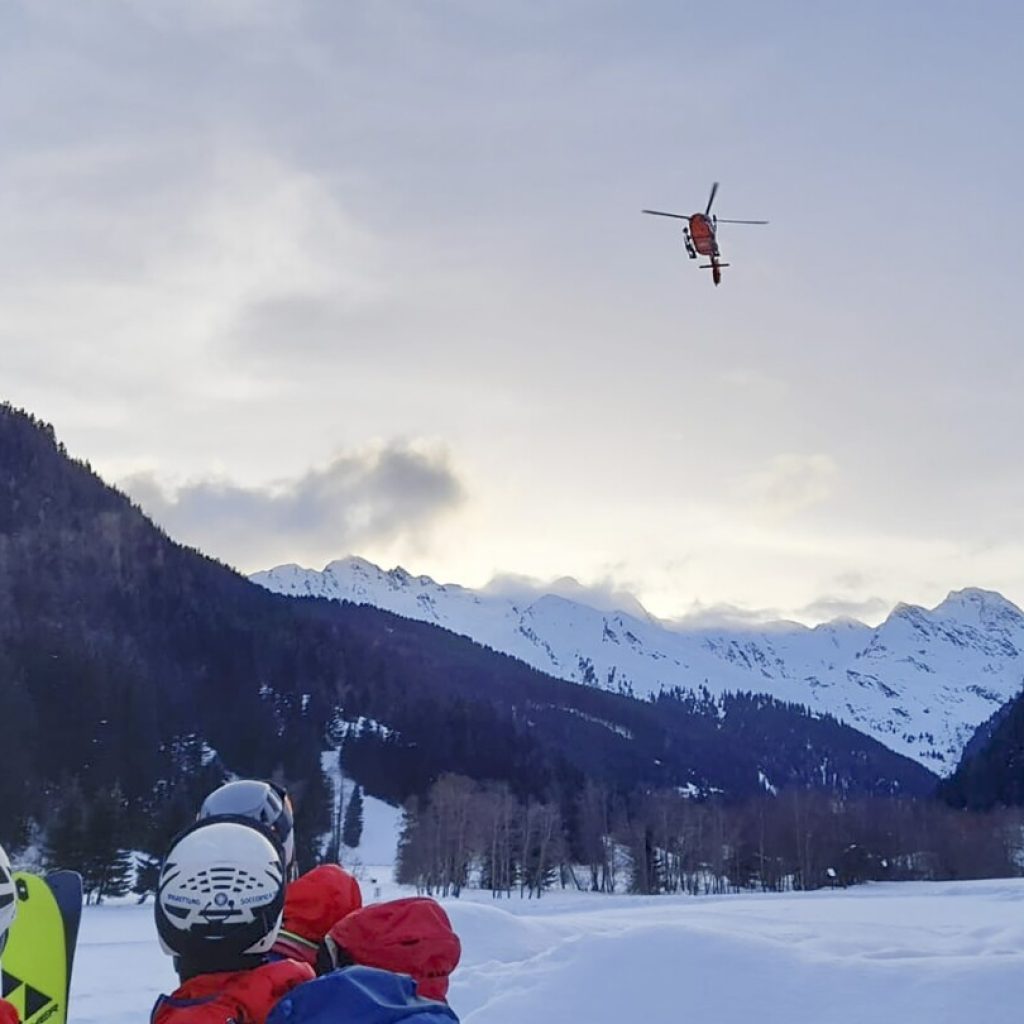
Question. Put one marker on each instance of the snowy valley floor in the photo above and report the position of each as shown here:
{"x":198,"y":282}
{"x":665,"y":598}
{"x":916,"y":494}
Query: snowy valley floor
{"x":905,"y":953}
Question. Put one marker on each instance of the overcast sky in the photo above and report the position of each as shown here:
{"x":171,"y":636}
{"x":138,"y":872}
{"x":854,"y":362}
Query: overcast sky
{"x":317,"y":278}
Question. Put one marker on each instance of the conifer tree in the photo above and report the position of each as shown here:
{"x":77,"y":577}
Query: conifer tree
{"x":106,"y":867}
{"x":65,"y":844}
{"x":147,"y":875}
{"x":352,"y":831}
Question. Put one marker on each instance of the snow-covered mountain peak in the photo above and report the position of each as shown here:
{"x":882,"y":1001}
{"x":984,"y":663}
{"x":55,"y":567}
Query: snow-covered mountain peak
{"x":920,"y":682}
{"x":843,"y":623}
{"x":981,"y":606}
{"x":977,"y":596}
{"x":353,"y":564}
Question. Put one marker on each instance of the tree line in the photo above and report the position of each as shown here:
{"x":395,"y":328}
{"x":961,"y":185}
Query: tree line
{"x":462,"y":832}
{"x":466,"y":833}
{"x":116,"y":843}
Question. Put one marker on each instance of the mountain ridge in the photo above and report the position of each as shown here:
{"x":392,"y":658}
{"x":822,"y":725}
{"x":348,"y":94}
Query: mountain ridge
{"x":920,"y":682}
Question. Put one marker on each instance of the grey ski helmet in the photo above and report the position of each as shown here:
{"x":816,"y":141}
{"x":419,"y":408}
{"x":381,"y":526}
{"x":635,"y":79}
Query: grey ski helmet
{"x":265,"y":803}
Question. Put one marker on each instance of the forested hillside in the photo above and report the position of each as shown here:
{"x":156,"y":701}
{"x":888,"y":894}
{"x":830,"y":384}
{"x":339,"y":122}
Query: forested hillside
{"x":132,"y":665}
{"x":992,"y":771}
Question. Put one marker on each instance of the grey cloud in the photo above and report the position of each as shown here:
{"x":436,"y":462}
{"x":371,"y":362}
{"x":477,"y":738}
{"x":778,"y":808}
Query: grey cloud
{"x":790,"y":483}
{"x":728,"y":616}
{"x":845,"y":599}
{"x":603,"y":595}
{"x":317,"y":326}
{"x":850,"y":580}
{"x":360,"y":498}
{"x":823,"y":609}
{"x":298,"y":322}
{"x":831,"y":607}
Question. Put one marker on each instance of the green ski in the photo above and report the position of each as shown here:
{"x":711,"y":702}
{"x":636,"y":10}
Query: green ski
{"x":37,"y":961}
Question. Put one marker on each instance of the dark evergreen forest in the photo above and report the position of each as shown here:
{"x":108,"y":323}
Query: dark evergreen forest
{"x":991,"y":773}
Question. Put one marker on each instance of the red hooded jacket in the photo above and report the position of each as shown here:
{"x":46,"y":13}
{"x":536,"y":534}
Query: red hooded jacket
{"x":412,"y":936}
{"x":245,"y":997}
{"x":313,"y":903}
{"x":8,"y":1014}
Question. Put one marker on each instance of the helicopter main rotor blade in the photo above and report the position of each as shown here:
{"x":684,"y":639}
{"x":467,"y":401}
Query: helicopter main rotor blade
{"x":662,"y":213}
{"x":723,"y":220}
{"x":711,"y":198}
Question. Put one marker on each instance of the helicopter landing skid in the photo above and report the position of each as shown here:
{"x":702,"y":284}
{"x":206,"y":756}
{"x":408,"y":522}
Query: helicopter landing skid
{"x":688,"y":242}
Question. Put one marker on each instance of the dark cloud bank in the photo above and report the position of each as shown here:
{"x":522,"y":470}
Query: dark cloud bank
{"x":358,"y":499}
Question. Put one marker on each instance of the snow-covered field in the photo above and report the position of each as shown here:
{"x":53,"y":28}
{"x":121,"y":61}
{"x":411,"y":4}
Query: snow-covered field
{"x":905,"y":953}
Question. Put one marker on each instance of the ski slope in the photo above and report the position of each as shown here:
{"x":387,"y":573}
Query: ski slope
{"x":906,"y":953}
{"x":382,"y":823}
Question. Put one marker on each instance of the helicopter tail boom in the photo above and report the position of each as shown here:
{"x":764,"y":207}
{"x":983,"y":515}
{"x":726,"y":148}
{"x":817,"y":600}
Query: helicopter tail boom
{"x":716,"y":270}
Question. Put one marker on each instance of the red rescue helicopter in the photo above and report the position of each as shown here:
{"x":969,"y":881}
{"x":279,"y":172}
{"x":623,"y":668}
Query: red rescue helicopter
{"x":699,"y":234}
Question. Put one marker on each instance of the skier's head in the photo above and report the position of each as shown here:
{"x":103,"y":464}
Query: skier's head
{"x":263,"y":802}
{"x":220,"y":897}
{"x":8,"y":898}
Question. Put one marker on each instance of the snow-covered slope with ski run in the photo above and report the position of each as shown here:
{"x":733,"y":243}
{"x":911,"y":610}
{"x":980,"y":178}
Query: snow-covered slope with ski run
{"x":921,"y":682}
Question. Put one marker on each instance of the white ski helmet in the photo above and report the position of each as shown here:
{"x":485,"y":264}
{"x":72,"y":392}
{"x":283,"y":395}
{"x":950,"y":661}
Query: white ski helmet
{"x":8,"y":898}
{"x":220,"y":897}
{"x":263,"y":802}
